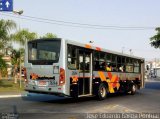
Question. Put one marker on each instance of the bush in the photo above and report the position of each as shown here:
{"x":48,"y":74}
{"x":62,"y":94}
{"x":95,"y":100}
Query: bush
{"x":1,"y":83}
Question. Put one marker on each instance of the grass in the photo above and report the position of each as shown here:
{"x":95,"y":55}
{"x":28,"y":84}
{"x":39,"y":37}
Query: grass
{"x":10,"y":86}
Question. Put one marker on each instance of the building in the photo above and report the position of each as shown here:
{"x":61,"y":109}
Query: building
{"x":153,"y":68}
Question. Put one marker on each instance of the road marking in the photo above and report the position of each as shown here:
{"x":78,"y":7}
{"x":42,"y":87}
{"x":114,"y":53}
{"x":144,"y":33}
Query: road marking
{"x":123,"y":108}
{"x":10,"y":96}
{"x":111,"y":108}
{"x":126,"y":109}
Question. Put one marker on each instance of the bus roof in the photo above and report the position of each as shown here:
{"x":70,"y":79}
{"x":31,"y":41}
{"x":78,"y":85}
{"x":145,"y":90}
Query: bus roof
{"x":89,"y":47}
{"x":101,"y":49}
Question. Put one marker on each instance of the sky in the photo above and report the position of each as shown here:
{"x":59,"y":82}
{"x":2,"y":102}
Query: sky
{"x":119,"y":13}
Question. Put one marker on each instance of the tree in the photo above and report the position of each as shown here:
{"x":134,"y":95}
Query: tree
{"x":23,"y":35}
{"x":3,"y":67}
{"x":155,"y":40}
{"x":15,"y":62}
{"x":5,"y":27}
{"x":49,"y":35}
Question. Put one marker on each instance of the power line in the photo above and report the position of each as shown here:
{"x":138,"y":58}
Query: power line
{"x":88,"y":24}
{"x":82,"y":25}
{"x":74,"y":24}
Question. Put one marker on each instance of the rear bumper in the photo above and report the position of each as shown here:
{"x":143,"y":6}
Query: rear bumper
{"x":44,"y":92}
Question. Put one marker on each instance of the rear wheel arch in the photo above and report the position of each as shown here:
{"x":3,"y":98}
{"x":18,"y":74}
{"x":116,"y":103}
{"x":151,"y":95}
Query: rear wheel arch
{"x":106,"y":84}
{"x":102,"y":91}
{"x":132,"y":88}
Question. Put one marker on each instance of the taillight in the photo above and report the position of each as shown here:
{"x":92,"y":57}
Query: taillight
{"x":62,"y":76}
{"x":25,"y":75}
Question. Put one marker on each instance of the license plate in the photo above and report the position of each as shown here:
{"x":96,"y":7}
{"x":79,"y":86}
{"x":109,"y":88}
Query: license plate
{"x":42,"y":83}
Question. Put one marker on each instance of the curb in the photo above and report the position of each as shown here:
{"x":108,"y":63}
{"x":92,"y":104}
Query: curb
{"x":10,"y":96}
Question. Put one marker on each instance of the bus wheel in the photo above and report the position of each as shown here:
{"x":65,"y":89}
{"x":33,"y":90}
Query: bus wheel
{"x":102,"y":91}
{"x":133,"y":89}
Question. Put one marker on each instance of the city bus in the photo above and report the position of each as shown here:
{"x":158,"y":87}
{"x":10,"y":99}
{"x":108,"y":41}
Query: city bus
{"x":69,"y":68}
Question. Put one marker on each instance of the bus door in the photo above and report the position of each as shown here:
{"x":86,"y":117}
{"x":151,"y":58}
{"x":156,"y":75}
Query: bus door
{"x":85,"y":74}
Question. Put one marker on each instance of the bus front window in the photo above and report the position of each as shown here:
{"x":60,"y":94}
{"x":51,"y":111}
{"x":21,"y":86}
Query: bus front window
{"x":44,"y":52}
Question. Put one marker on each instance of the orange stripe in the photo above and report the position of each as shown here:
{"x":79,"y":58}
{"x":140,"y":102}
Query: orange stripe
{"x":98,"y":48}
{"x":102,"y":76}
{"x":90,"y":77}
{"x":109,"y":75}
{"x":88,"y":46}
{"x":114,"y":79}
{"x":74,"y":79}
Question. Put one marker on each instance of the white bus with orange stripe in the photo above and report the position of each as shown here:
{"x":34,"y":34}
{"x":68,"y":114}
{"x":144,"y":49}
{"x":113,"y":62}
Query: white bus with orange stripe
{"x":68,"y":68}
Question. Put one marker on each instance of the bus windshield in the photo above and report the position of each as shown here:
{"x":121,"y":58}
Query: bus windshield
{"x":44,"y":52}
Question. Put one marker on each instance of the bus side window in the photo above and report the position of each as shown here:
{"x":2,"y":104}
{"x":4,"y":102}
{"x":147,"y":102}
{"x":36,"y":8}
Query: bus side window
{"x":72,"y":59}
{"x":96,"y":65}
{"x":87,"y":66}
{"x":129,"y":65}
{"x":114,"y":63}
{"x":108,"y":62}
{"x":99,"y":61}
{"x":136,"y":66}
{"x":87,"y":62}
{"x":124,"y":64}
{"x":96,"y":61}
{"x":71,"y":63}
{"x":81,"y":64}
{"x":114,"y":67}
{"x":108,"y":67}
{"x":119,"y":64}
{"x":102,"y":61}
{"x":102,"y":65}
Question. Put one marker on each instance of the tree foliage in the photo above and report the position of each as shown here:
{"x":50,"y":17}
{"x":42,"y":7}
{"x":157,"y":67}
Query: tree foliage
{"x":155,"y":40}
{"x":49,"y":35}
{"x":5,"y":27}
{"x":3,"y":67}
{"x":23,"y":35}
{"x":2,"y":63}
{"x":16,"y":54}
{"x":15,"y":57}
{"x":19,"y":37}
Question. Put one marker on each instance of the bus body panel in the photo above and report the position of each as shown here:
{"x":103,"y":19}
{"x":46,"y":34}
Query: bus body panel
{"x":78,"y":82}
{"x":47,"y":75}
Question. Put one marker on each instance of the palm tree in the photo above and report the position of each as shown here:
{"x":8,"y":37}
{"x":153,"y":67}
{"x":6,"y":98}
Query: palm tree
{"x":5,"y":27}
{"x":22,"y":36}
{"x":15,"y":62}
{"x":3,"y":67}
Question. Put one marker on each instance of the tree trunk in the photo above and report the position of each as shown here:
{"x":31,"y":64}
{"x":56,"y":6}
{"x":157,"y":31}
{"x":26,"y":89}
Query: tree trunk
{"x":15,"y":79}
{"x":0,"y":75}
{"x":15,"y":74}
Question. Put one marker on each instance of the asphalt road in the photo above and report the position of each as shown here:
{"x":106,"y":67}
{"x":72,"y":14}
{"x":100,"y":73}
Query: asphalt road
{"x":38,"y":106}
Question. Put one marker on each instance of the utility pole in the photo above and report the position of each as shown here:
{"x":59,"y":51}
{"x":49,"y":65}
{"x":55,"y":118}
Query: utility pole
{"x":19,"y":13}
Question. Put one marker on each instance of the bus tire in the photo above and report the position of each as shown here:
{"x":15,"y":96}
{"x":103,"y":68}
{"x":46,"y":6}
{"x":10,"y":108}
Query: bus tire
{"x":102,"y":91}
{"x":133,"y":89}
